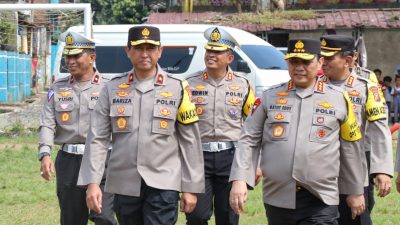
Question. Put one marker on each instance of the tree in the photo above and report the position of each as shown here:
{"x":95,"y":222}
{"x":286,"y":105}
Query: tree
{"x":118,"y":11}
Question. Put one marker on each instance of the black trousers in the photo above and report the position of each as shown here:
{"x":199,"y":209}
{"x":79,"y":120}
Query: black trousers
{"x":153,"y":207}
{"x":309,"y":211}
{"x":217,"y":167}
{"x":72,"y":199}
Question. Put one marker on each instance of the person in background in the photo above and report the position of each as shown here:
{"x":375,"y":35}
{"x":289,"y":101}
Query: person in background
{"x":370,"y":109}
{"x":223,"y":99}
{"x":395,"y":93}
{"x":387,"y":83}
{"x":378,"y":74}
{"x":65,"y":121}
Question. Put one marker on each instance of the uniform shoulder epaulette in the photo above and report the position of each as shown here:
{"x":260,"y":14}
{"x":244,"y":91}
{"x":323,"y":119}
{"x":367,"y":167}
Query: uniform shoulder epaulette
{"x":335,"y":88}
{"x":364,"y":79}
{"x":176,"y":77}
{"x":62,"y":79}
{"x":120,"y":75}
{"x":105,"y":77}
{"x":275,"y":86}
{"x":240,"y":74}
{"x":195,"y":74}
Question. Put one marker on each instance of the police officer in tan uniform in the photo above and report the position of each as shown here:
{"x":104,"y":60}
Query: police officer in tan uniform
{"x":306,"y":134}
{"x":156,"y":149}
{"x":371,"y":112}
{"x":223,"y":99}
{"x":65,"y":121}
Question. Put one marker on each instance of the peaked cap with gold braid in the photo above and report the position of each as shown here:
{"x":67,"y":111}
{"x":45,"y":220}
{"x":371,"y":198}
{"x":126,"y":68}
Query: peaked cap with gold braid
{"x":143,"y":34}
{"x":303,"y":48}
{"x":75,"y":43}
{"x":219,"y":39}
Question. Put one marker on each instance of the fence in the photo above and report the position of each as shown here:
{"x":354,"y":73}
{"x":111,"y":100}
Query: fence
{"x":15,"y":77}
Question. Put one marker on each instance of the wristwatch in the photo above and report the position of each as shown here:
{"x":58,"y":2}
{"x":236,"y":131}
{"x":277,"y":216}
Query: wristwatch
{"x":42,"y":154}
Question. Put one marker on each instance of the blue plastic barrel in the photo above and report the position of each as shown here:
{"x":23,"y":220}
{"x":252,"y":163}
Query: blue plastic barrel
{"x":3,"y":76}
{"x":12,"y":79}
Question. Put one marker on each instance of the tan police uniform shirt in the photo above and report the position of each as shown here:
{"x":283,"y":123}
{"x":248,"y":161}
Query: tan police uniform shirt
{"x":155,"y":137}
{"x":66,"y":112}
{"x":306,"y":137}
{"x":371,"y":112}
{"x":221,"y":105}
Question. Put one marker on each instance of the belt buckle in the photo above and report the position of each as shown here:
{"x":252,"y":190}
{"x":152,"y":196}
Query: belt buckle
{"x":214,"y":147}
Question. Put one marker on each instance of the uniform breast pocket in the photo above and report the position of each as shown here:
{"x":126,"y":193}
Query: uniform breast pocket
{"x":121,"y":118}
{"x":92,"y":104}
{"x":323,"y":128}
{"x":277,"y":126}
{"x":163,"y":119}
{"x":64,"y":112}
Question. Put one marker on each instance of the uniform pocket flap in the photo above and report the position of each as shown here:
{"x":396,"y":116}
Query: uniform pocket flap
{"x":326,"y":121}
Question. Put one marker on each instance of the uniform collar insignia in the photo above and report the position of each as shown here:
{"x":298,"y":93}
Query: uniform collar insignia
{"x":290,"y":86}
{"x":131,"y":77}
{"x":229,"y":76}
{"x":205,"y":76}
{"x":160,"y":79}
{"x":350,"y":81}
{"x":96,"y":79}
{"x":71,"y":80}
{"x":319,"y":86}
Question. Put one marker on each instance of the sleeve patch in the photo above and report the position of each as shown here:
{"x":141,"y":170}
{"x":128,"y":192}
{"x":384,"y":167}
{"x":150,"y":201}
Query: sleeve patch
{"x":187,"y":110}
{"x":50,"y":94}
{"x":375,"y":106}
{"x":248,"y":105}
{"x":349,"y":129}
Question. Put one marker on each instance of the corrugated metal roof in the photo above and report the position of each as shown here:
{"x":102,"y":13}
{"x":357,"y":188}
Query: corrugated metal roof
{"x":329,"y":19}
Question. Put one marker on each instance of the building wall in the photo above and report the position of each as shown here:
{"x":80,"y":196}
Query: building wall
{"x":382,"y":48}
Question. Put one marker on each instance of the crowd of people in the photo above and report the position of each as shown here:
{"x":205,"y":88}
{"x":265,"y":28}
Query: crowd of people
{"x":145,"y":144}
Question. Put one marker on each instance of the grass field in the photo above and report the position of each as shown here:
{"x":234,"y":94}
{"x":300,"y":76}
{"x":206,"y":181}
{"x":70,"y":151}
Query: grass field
{"x":26,"y":199}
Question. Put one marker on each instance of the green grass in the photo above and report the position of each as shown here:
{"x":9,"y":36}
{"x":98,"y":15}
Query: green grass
{"x":26,"y":199}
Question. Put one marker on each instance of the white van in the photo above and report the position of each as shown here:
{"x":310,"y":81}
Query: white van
{"x":184,"y":52}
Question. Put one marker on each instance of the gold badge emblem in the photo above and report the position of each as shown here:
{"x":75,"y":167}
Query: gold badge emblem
{"x":199,"y":99}
{"x":215,"y":35}
{"x":321,"y":132}
{"x":199,"y":87}
{"x":205,"y":76}
{"x":199,"y":110}
{"x":279,"y":116}
{"x":166,"y":94}
{"x":122,"y":93}
{"x":65,"y":116}
{"x":278,"y":131}
{"x":145,"y":33}
{"x":299,"y":47}
{"x":97,"y":93}
{"x":234,"y":87}
{"x":283,"y":94}
{"x":122,"y":123}
{"x":165,"y":112}
{"x":123,"y":85}
{"x":354,"y":93}
{"x":65,"y":93}
{"x":69,"y":39}
{"x":281,"y":101}
{"x":120,"y":109}
{"x":163,"y":124}
{"x":323,"y":43}
{"x":375,"y":92}
{"x":326,"y":105}
{"x":234,"y":101}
